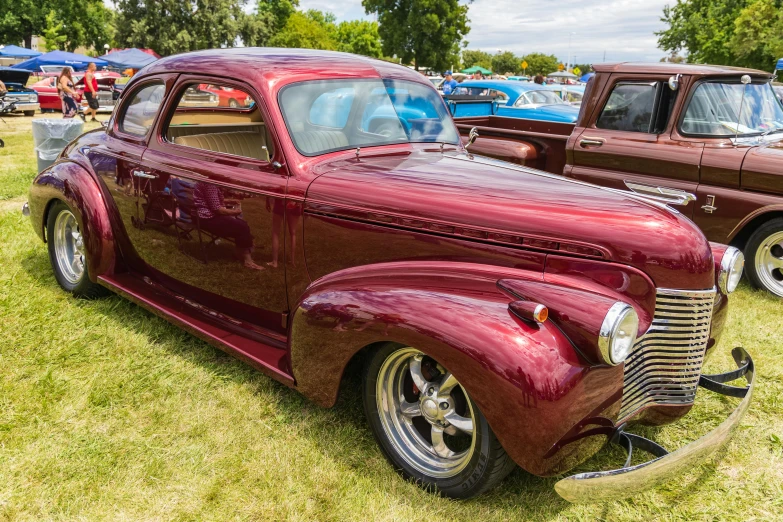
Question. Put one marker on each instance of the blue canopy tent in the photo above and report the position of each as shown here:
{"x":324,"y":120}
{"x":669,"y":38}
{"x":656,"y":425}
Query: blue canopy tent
{"x":78,"y":62}
{"x":129,"y":59}
{"x":779,"y":66}
{"x":14,"y":51}
{"x":586,"y":77}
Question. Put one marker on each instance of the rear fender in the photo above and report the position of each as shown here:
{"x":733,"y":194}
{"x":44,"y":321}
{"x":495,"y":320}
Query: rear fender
{"x":536,"y":392}
{"x":69,"y":182}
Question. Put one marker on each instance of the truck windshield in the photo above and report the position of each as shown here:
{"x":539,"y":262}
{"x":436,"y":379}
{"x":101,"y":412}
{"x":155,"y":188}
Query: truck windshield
{"x":714,"y":110}
{"x":329,"y":115}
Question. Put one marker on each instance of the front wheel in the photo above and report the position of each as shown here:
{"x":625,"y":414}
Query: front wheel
{"x":764,"y":255}
{"x":427,"y":425}
{"x":67,"y":253}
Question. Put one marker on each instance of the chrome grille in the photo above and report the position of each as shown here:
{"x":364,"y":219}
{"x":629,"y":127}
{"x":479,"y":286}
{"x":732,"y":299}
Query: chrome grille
{"x":665,"y":364}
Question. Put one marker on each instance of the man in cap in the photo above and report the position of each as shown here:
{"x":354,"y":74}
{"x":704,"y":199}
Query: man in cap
{"x":449,"y":83}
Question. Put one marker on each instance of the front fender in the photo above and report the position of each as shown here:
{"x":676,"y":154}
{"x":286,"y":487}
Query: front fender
{"x":549,"y":408}
{"x":69,"y":182}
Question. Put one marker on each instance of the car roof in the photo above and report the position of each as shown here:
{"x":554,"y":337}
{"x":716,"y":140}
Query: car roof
{"x":278,"y":66}
{"x":505,"y":86}
{"x":675,"y":68}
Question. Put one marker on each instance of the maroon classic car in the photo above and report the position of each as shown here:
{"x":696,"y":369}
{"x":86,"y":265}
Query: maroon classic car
{"x":708,"y":139}
{"x":504,"y":316}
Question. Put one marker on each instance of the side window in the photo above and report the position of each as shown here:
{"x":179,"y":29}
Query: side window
{"x":141,"y":110}
{"x":629,"y":108}
{"x":219,"y":118}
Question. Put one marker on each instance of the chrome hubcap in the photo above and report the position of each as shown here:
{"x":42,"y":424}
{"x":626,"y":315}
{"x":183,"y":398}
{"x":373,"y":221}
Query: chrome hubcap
{"x":769,"y":263}
{"x":69,"y":247}
{"x":426,"y":414}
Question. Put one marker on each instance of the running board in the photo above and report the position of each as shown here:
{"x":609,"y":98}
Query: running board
{"x":269,"y":358}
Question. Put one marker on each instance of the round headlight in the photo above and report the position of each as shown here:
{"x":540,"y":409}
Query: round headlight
{"x":618,"y":333}
{"x":730,"y":270}
{"x":33,"y":97}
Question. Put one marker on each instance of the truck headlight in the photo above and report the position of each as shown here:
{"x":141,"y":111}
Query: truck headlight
{"x":34,"y":98}
{"x":731,"y":266}
{"x":618,"y":333}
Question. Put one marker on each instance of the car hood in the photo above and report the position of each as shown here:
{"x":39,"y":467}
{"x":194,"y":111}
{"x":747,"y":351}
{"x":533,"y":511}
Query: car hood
{"x":498,"y":197}
{"x":17,"y":88}
{"x":761,"y":169}
{"x":20,"y":76}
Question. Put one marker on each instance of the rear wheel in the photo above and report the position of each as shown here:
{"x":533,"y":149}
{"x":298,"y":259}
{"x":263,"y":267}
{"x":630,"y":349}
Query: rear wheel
{"x":427,"y":425}
{"x":233,"y":103}
{"x":29,"y":113}
{"x":764,"y":252}
{"x":67,"y":253}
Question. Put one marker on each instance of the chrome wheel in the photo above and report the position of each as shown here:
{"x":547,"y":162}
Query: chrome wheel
{"x":425,"y":413}
{"x":769,"y":263}
{"x":68,"y":247}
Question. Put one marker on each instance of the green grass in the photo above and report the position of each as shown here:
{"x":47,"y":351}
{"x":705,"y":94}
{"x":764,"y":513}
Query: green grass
{"x":109,"y":413}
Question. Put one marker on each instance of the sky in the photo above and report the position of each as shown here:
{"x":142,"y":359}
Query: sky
{"x":623,"y":29}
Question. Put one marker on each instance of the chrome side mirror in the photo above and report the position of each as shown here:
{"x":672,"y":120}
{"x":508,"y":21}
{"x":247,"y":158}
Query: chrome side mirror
{"x":472,"y":137}
{"x":674,"y":82}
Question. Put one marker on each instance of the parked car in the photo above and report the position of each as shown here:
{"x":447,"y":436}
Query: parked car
{"x":676,"y":132}
{"x":227,"y":96}
{"x":503,"y":315}
{"x":24,"y":99}
{"x":514,"y":99}
{"x":571,"y":94}
{"x":107,"y":93}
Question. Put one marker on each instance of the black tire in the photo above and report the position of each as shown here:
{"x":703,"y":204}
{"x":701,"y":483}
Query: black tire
{"x":82,"y":287}
{"x":29,"y":113}
{"x":486,"y":467}
{"x":770,"y":280}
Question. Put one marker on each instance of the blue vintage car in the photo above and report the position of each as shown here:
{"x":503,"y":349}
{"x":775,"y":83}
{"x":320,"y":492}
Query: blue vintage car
{"x":514,"y":99}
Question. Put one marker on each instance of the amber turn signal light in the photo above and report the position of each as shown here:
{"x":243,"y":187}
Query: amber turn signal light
{"x":529,"y":311}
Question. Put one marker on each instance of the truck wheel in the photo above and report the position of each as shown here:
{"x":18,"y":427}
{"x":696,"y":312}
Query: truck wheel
{"x":67,"y":253}
{"x":427,"y":425}
{"x":29,"y":113}
{"x":764,"y":252}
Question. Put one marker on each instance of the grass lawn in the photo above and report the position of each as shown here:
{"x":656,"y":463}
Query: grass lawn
{"x":109,"y":413}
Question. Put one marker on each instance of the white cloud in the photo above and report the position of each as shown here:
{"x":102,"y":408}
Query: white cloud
{"x":623,"y":29}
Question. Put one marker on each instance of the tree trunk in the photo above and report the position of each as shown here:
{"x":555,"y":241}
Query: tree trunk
{"x":28,"y":41}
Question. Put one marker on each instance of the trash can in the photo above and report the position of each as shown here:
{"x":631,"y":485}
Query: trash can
{"x":51,"y":136}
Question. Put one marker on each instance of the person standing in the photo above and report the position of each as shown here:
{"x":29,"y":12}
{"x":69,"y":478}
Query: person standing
{"x":449,"y":83}
{"x":67,"y":93}
{"x":91,"y":92}
{"x":538,"y":79}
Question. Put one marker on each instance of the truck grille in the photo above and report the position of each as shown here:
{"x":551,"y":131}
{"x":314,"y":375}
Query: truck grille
{"x":665,"y":364}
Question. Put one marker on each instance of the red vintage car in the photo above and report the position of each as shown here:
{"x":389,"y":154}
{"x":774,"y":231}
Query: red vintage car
{"x":228,"y":96}
{"x":504,"y":316}
{"x":50,"y":100}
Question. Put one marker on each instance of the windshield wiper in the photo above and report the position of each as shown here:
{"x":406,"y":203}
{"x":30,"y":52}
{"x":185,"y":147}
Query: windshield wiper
{"x":770,"y":131}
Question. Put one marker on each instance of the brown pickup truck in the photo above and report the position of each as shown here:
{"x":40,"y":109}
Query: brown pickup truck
{"x":706,"y":139}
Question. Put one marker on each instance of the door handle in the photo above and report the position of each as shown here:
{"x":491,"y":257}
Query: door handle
{"x":145,"y":175}
{"x":591,"y":142}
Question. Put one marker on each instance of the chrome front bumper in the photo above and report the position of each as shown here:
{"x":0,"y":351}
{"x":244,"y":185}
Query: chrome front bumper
{"x":629,"y":480}
{"x":25,"y":106}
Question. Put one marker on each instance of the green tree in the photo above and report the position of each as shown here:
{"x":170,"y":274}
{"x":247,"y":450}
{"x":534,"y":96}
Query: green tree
{"x":359,"y":37}
{"x":425,"y":32}
{"x":53,"y":33}
{"x":172,"y":26}
{"x":75,"y":22}
{"x":311,"y":30}
{"x":268,"y":17}
{"x":475,"y":57}
{"x":725,"y":32}
{"x":505,"y":62}
{"x":539,"y":63}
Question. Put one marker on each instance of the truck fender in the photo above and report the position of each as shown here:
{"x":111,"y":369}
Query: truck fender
{"x":536,"y":392}
{"x":71,"y":183}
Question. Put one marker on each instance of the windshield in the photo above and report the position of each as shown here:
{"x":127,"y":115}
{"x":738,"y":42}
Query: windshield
{"x":329,"y":115}
{"x":538,"y":98}
{"x":714,"y":110}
